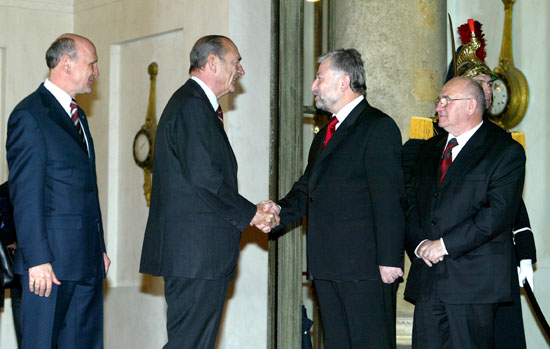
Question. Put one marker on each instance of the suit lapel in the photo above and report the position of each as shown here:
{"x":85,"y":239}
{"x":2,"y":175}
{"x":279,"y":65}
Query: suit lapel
{"x":467,"y":156}
{"x":58,"y":115}
{"x":199,"y":92}
{"x":342,"y":132}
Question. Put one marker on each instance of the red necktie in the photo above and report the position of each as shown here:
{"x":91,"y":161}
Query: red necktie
{"x":330,"y":130}
{"x":76,"y":121}
{"x":220,"y":113}
{"x":447,"y":159}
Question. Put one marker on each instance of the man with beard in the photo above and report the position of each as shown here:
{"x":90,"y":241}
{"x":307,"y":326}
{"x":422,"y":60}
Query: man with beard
{"x":351,"y":193}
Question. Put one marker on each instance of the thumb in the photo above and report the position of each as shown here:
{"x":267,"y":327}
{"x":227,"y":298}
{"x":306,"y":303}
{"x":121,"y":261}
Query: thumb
{"x":54,"y":279}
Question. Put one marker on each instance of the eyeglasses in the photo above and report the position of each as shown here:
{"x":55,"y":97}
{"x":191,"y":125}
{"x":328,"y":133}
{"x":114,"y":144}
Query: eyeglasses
{"x":445,"y":100}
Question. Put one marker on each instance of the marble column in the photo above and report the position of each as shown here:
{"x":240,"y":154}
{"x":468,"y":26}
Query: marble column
{"x":404,"y":48}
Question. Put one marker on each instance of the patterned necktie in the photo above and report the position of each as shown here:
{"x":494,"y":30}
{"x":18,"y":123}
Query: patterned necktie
{"x":220,"y":113}
{"x":447,"y":159}
{"x":330,"y":130}
{"x":76,"y":122}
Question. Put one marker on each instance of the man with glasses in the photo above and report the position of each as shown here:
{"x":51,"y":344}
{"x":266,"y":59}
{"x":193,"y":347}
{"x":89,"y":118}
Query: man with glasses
{"x":467,"y":187}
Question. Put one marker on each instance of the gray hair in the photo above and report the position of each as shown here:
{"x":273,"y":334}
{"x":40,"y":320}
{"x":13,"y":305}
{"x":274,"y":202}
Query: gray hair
{"x":60,"y":47}
{"x":348,"y":62}
{"x":205,"y":46}
{"x":475,"y":89}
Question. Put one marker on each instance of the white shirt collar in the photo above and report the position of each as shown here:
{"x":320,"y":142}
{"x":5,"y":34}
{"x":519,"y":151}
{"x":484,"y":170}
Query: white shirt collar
{"x":209,"y":93}
{"x":344,"y":112}
{"x":62,"y":97}
{"x":462,"y":140}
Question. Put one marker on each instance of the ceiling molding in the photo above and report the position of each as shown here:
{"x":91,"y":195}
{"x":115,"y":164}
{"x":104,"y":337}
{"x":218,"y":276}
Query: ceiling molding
{"x":66,"y":6}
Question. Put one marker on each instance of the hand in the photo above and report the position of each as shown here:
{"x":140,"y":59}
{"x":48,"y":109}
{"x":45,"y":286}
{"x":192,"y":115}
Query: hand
{"x":107,"y":262}
{"x":390,"y":274}
{"x":268,"y":205}
{"x":267,"y":216}
{"x":525,"y":272}
{"x":431,"y":252}
{"x":41,"y":278}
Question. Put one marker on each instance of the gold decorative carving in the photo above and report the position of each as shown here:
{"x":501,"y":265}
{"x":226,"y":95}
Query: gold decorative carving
{"x":517,"y":95}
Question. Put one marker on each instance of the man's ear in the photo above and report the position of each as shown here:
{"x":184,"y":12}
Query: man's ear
{"x":66,"y":64}
{"x":212,"y":62}
{"x":471,"y":106}
{"x":344,"y":82}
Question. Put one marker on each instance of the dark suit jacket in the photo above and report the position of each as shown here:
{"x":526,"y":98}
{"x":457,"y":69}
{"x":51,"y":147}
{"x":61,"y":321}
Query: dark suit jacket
{"x":473,"y":209}
{"x":53,"y":189}
{"x":351,"y":192}
{"x":196,"y":215}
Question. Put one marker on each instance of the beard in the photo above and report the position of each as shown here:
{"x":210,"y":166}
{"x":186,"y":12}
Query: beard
{"x":325,"y":103}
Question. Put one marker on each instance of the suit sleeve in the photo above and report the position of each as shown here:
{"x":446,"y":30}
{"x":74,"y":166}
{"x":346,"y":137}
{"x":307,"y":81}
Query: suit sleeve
{"x":382,"y":161}
{"x":294,"y":204}
{"x":524,"y":241}
{"x":499,"y":210}
{"x":27,"y":164}
{"x":197,"y":142}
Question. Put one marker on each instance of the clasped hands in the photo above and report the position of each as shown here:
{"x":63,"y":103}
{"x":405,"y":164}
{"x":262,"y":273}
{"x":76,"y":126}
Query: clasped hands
{"x":267,"y":216}
{"x":431,"y":251}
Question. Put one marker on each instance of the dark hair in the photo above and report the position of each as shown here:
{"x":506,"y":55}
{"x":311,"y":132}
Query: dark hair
{"x":348,"y":62}
{"x":60,"y":47}
{"x":205,"y":46}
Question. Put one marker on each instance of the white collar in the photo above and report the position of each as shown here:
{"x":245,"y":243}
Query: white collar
{"x":344,"y":112}
{"x":62,"y":97}
{"x":209,"y":93}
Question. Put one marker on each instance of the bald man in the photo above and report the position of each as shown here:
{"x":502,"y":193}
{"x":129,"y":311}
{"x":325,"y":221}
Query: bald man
{"x":53,"y":187}
{"x":467,"y":187}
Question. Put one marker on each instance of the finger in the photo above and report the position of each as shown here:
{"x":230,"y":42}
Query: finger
{"x":31,"y":285}
{"x":41,"y":287}
{"x":48,"y":287}
{"x":427,"y":262}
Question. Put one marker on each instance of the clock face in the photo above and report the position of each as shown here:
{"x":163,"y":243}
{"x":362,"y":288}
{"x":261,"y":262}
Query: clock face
{"x":142,"y":148}
{"x":501,"y":97}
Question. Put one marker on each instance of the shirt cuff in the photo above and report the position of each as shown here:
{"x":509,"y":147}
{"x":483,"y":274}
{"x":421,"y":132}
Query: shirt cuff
{"x":416,"y":249}
{"x":444,"y":248}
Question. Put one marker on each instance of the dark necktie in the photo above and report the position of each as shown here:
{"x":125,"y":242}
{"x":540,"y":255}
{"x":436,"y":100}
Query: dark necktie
{"x":330,"y":130}
{"x":447,"y":159}
{"x":220,"y":113}
{"x":76,"y":122}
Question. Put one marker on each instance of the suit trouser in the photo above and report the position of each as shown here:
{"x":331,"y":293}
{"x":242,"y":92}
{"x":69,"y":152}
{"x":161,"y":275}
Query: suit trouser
{"x":357,"y":314}
{"x":439,"y":326}
{"x":195,"y":308}
{"x":71,"y":317}
{"x":509,"y":330}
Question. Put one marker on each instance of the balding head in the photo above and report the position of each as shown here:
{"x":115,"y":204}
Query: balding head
{"x":461,"y":105}
{"x":72,"y":60}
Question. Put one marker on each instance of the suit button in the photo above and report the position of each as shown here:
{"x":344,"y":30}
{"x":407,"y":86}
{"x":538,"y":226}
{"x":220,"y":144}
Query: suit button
{"x":436,"y":195}
{"x":434,"y":222}
{"x":310,"y":199}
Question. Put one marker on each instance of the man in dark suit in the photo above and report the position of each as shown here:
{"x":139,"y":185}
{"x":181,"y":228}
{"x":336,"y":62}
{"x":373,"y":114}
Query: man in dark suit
{"x":467,"y":188}
{"x":197,"y":215}
{"x":53,"y":188}
{"x":352,"y":192}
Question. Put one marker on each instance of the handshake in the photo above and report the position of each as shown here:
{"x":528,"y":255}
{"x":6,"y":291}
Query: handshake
{"x":267,"y":216}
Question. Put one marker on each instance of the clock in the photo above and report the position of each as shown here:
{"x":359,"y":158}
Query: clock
{"x":143,"y":149}
{"x":510,"y":89}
